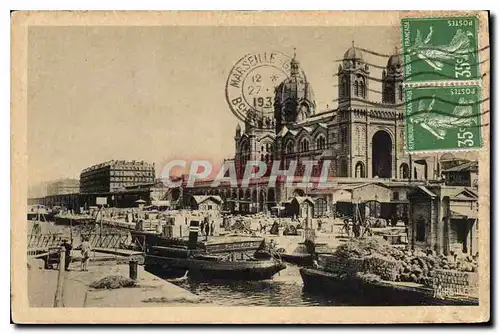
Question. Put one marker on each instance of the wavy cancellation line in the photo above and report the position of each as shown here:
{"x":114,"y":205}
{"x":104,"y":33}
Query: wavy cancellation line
{"x":383,"y":67}
{"x":424,"y":49}
{"x":420,"y":99}
{"x":418,"y":74}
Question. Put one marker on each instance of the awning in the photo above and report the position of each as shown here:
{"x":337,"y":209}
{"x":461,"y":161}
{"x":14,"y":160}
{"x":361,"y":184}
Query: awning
{"x":461,"y":212}
{"x":160,"y":203}
{"x":427,"y":191}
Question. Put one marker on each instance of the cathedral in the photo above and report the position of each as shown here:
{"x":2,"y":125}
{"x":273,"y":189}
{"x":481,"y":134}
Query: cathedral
{"x":363,"y":139}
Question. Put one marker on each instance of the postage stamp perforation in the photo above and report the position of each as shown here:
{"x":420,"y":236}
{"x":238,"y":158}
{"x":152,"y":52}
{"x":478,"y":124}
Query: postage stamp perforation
{"x":440,"y":15}
{"x":441,"y":83}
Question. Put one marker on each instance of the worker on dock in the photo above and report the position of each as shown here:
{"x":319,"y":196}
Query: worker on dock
{"x":85,"y":249}
{"x":67,"y":247}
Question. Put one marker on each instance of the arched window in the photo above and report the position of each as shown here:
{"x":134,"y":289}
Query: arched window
{"x":356,"y":88}
{"x":289,"y":147}
{"x":320,"y":142}
{"x":400,"y":92}
{"x":343,"y":168}
{"x":245,"y":153}
{"x":344,"y":89}
{"x":404,"y":171}
{"x":360,"y":170}
{"x":320,"y":207}
{"x":362,"y":88}
{"x":304,"y":145}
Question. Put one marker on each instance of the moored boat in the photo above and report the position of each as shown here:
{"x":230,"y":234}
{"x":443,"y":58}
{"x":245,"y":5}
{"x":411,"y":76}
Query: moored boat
{"x":376,"y":292}
{"x":208,"y":266}
{"x":222,"y":257}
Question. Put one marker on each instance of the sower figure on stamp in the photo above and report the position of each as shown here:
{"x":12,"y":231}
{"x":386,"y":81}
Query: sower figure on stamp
{"x":434,"y":56}
{"x":438,"y":123}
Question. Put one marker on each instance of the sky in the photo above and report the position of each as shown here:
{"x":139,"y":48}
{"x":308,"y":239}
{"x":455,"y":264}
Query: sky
{"x":158,"y":93}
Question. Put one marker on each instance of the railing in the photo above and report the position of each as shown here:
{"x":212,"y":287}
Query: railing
{"x":96,"y":240}
{"x":113,"y":240}
{"x":44,"y":241}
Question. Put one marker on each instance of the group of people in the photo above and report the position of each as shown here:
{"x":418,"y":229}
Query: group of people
{"x":207,"y":227}
{"x":356,"y":227}
{"x":85,"y":249}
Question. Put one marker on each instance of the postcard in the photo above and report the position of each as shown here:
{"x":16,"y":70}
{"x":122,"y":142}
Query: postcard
{"x":250,"y":167}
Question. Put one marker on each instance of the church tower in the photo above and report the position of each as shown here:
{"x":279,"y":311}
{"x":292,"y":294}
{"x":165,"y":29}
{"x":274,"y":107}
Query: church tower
{"x":392,"y":80}
{"x":294,"y":98}
{"x":353,"y":77}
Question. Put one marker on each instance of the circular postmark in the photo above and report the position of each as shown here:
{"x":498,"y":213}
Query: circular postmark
{"x":251,"y":84}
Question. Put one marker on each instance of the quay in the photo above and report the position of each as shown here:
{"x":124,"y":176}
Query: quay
{"x":150,"y":290}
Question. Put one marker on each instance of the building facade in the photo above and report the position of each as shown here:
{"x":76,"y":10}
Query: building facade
{"x":362,"y":138}
{"x":116,"y":175}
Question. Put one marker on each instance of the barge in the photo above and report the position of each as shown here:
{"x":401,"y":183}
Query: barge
{"x":381,"y":293}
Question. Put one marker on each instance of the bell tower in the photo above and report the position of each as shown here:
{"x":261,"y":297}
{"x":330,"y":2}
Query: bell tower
{"x":353,"y":77}
{"x":392,"y":80}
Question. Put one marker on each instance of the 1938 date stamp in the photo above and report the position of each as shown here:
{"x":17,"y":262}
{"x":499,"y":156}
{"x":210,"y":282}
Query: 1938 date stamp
{"x":443,"y":118}
{"x":250,"y":87}
{"x":440,"y":48}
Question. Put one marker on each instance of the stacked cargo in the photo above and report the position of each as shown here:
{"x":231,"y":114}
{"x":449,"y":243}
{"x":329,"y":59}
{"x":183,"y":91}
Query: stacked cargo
{"x":375,"y":257}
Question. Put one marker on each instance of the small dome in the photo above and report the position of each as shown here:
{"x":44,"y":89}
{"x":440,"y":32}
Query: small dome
{"x":447,"y":156}
{"x":395,"y":60}
{"x":353,"y":53}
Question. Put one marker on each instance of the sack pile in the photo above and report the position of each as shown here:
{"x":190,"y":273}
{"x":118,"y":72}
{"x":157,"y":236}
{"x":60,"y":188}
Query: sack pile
{"x":375,"y":256}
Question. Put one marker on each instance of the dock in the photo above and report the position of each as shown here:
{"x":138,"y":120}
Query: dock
{"x":150,"y":291}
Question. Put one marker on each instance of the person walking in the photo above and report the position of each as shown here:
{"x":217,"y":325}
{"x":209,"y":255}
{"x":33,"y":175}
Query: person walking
{"x":85,"y":249}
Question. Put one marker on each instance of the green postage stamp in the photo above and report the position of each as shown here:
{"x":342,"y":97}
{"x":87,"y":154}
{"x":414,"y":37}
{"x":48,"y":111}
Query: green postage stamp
{"x":437,"y":49}
{"x":443,"y":118}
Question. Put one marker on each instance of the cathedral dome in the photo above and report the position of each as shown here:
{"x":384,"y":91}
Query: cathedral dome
{"x":296,"y":87}
{"x":294,"y":99}
{"x":353,"y":54}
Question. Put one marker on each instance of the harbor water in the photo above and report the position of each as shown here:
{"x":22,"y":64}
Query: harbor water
{"x":285,"y":289}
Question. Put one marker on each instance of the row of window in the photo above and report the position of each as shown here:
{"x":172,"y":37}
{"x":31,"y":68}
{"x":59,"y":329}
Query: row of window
{"x":128,"y":178}
{"x":130,"y":173}
{"x":360,"y":171}
{"x":128,"y":167}
{"x":304,"y":145}
{"x":359,"y":88}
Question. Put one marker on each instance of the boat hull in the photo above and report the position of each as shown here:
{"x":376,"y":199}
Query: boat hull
{"x":250,"y":270}
{"x":303,"y":260}
{"x":377,"y":293}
